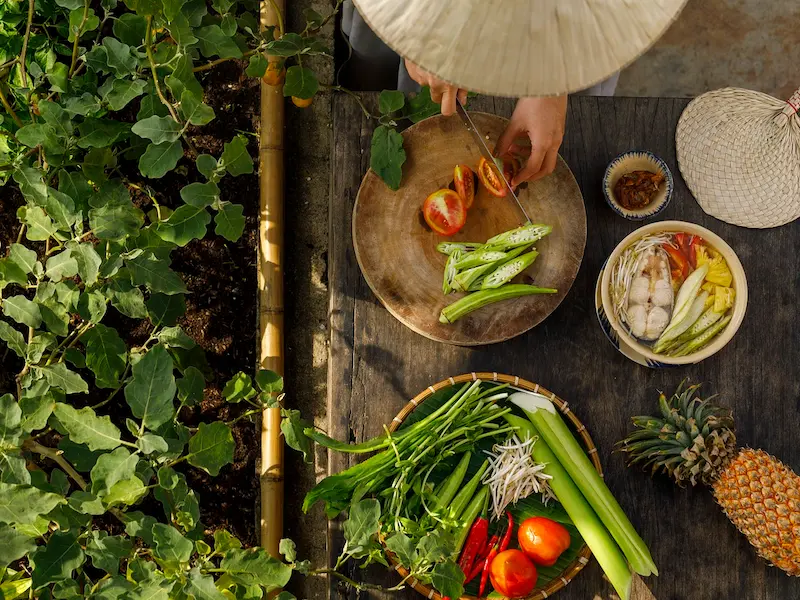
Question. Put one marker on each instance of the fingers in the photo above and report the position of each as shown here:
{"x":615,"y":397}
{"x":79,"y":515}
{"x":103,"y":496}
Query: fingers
{"x":449,"y":101}
{"x":462,"y":97}
{"x":506,"y":140}
{"x":548,"y":165}
{"x":531,"y":167}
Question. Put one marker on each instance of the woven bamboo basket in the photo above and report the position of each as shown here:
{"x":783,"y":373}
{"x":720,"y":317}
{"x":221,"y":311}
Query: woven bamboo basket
{"x":739,"y":152}
{"x":582,"y":559}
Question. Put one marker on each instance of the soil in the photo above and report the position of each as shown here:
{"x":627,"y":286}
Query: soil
{"x":221,"y":307}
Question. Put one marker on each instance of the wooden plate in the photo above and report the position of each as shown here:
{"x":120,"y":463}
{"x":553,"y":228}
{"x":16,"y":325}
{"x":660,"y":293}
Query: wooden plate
{"x":397,"y":251}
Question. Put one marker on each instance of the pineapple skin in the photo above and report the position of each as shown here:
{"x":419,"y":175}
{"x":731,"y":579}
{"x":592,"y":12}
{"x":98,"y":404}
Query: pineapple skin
{"x":761,"y":497}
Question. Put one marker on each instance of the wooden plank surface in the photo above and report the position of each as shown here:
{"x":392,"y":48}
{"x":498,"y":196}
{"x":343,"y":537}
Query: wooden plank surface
{"x":377,"y":364}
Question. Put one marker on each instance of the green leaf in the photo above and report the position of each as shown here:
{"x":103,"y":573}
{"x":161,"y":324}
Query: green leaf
{"x":13,"y":468}
{"x":79,"y":455}
{"x":23,"y":311}
{"x":61,"y":208}
{"x":191,"y":387}
{"x":170,"y":545}
{"x":201,"y":587}
{"x":255,"y":566}
{"x":301,"y":82}
{"x":110,"y":468}
{"x":21,"y":504}
{"x":139,"y":525}
{"x":96,"y":161}
{"x":206,"y":164}
{"x":257,"y":66}
{"x":59,"y":376}
{"x":61,"y":265}
{"x":22,"y":257}
{"x":150,"y":443}
{"x":236,"y":158}
{"x":126,"y":299}
{"x":85,"y":427}
{"x":213,"y":42}
{"x":75,"y":357}
{"x":269,"y":381}
{"x":34,"y":135}
{"x":391,"y":101}
{"x":154,"y":273}
{"x":56,"y":117}
{"x":182,"y":78}
{"x":200,"y":194}
{"x":159,"y":159}
{"x":10,"y":421}
{"x":36,"y":409}
{"x":13,"y":339}
{"x":421,"y":106}
{"x":211,"y":448}
{"x":121,"y":92}
{"x":174,"y":337}
{"x":11,"y":274}
{"x":88,"y":260}
{"x":151,"y":392}
{"x":92,"y":306}
{"x":120,"y":58}
{"x":224,"y":541}
{"x":58,"y":560}
{"x":291,"y":44}
{"x":125,"y":492}
{"x":402,"y":547}
{"x":387,"y":156}
{"x":13,"y":545}
{"x":193,"y":109}
{"x":288,"y":549}
{"x":54,"y":314}
{"x":165,"y":310}
{"x":31,"y":184}
{"x":58,"y":76}
{"x":84,"y":105}
{"x":115,"y":220}
{"x":100,"y":133}
{"x":40,"y":227}
{"x":187,"y":223}
{"x":238,"y":388}
{"x":448,"y":579}
{"x":230,"y":221}
{"x":106,"y":354}
{"x":362,"y":524}
{"x":292,"y":427}
{"x":158,"y":129}
{"x":86,"y":503}
{"x":80,"y":23}
{"x":151,"y":105}
{"x":107,"y":550}
{"x":97,"y":59}
{"x":130,"y":29}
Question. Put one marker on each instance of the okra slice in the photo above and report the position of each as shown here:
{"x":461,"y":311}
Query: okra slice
{"x":466,"y":280}
{"x":450,"y":247}
{"x":527,"y":234}
{"x":485,"y":255}
{"x":508,"y":270}
{"x":702,"y":339}
{"x":472,"y":302}
{"x":450,"y":272}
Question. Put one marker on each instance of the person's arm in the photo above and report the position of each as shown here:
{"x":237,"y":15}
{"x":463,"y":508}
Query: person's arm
{"x":441,"y":92}
{"x":540,"y":120}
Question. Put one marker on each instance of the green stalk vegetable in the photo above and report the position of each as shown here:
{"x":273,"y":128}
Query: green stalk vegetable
{"x":685,"y":299}
{"x":508,"y":270}
{"x":527,"y":234}
{"x":450,"y":247}
{"x":554,"y":431}
{"x":702,"y":339}
{"x":694,"y":313}
{"x":451,"y":484}
{"x":467,"y":279}
{"x":487,"y":254}
{"x":460,"y":502}
{"x":580,"y":513}
{"x":472,"y":302}
{"x":450,"y":271}
{"x":471,"y":513}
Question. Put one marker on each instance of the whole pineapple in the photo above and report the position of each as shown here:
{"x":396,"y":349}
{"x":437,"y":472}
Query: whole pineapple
{"x":693,"y":441}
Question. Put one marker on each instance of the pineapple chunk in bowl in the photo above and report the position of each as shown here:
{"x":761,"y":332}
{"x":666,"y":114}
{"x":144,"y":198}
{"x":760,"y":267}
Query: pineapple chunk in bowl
{"x":738,"y":283}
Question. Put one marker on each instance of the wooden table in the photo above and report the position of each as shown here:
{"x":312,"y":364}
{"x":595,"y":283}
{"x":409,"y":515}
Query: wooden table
{"x":376,"y":364}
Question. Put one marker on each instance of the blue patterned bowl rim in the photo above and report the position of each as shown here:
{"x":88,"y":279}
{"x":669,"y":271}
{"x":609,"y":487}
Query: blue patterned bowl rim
{"x":650,"y":211}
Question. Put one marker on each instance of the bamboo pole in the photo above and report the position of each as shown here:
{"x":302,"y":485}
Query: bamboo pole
{"x":270,"y":290}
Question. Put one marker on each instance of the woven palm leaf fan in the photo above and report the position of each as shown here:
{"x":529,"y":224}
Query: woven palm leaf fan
{"x":739,"y":153}
{"x":520,"y":47}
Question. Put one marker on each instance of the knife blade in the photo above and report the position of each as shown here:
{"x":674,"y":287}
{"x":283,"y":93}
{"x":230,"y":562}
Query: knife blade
{"x":479,"y":141}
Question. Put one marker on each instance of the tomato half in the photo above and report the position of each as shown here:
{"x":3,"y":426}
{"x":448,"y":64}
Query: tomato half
{"x":678,"y":261}
{"x":542,"y":540}
{"x":444,"y":212}
{"x":513,"y":574}
{"x":490,"y":176}
{"x":464,"y":184}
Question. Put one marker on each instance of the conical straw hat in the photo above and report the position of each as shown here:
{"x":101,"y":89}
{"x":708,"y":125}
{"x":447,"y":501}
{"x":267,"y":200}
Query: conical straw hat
{"x":739,"y":153}
{"x":520,"y":47}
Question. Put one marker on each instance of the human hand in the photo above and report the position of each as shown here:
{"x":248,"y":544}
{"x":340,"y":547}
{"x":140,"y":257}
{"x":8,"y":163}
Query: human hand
{"x":441,"y":92}
{"x":540,"y":120}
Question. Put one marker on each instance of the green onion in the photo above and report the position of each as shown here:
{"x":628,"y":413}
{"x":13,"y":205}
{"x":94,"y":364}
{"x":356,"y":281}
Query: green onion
{"x":472,"y":302}
{"x":580,"y":512}
{"x":554,"y":431}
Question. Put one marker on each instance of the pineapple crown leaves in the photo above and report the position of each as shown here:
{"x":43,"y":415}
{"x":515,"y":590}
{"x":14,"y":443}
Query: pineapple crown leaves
{"x":691,"y":440}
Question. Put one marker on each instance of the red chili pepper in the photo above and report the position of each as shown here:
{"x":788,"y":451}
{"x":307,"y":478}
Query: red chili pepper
{"x":485,"y":573}
{"x":477,"y":569}
{"x":509,"y":531}
{"x":485,"y":550}
{"x":475,"y":541}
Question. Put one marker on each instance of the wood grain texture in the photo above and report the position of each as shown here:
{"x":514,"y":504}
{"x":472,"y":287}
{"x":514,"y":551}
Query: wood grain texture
{"x":397,"y":251}
{"x":377,"y":364}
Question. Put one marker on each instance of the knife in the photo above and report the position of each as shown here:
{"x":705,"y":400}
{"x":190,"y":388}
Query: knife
{"x":478,"y":139}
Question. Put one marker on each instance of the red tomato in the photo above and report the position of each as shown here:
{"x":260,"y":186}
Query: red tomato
{"x":683,"y":240}
{"x":697,"y":242}
{"x":490,"y":177}
{"x":513,"y":574}
{"x":678,"y":261}
{"x":464,"y":184}
{"x":542,"y":540}
{"x":444,"y":212}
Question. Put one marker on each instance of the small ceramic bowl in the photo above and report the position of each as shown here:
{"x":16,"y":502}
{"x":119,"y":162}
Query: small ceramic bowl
{"x":637,"y":161}
{"x":645,"y":354}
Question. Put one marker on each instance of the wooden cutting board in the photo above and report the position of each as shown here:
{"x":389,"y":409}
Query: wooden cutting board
{"x":397,"y":251}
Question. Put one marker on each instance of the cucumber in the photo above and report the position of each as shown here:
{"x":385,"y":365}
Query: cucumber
{"x":694,"y":313}
{"x":508,"y":270}
{"x":476,"y":300}
{"x":686,"y":297}
{"x":450,"y":247}
{"x":527,"y":234}
{"x":450,"y":271}
{"x":485,"y":255}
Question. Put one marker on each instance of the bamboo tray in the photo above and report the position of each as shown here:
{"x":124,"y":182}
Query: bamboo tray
{"x":397,"y":252}
{"x":584,"y":554}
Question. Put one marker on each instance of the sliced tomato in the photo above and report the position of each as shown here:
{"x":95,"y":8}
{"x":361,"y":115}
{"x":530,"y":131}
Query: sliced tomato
{"x":678,"y":262}
{"x":683,"y":240}
{"x":464,"y":184}
{"x":490,"y":176}
{"x":513,"y":574}
{"x":543,"y":540}
{"x":697,"y":242}
{"x":444,"y":212}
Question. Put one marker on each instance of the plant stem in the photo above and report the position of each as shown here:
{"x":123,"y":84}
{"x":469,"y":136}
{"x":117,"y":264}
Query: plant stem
{"x":353,"y":583}
{"x":148,"y":40}
{"x":24,"y":76}
{"x":278,"y":17}
{"x":8,"y":108}
{"x":76,"y":43}
{"x":356,"y":97}
{"x":219,"y":61}
{"x":243,"y":415}
{"x":116,"y":390}
{"x":21,"y":231}
{"x":55,"y":455}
